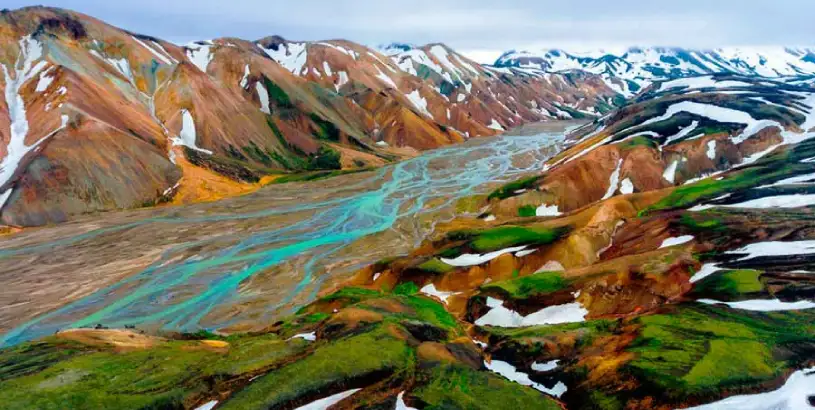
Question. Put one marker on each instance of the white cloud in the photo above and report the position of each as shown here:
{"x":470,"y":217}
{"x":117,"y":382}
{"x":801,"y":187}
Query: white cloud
{"x":483,"y":27}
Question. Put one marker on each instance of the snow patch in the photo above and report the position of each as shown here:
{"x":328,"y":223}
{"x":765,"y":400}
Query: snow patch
{"x":614,"y":181}
{"x":419,"y":102}
{"x":153,"y":51}
{"x":245,"y":79}
{"x":670,"y":172}
{"x":510,"y":372}
{"x":775,"y":248}
{"x":548,"y":210}
{"x":292,"y":56}
{"x":676,"y":241}
{"x":385,"y":78}
{"x":793,"y":395}
{"x":781,"y":201}
{"x":305,"y":336}
{"x":329,"y":401}
{"x":763,"y":305}
{"x":705,"y":271}
{"x":626,"y":187}
{"x":208,"y":405}
{"x":24,"y":71}
{"x":400,"y":403}
{"x":263,"y":95}
{"x":500,"y":316}
{"x":469,"y":259}
{"x":711,"y":149}
{"x":200,"y":55}
{"x":545,"y":367}
{"x":430,"y":290}
{"x":187,"y":136}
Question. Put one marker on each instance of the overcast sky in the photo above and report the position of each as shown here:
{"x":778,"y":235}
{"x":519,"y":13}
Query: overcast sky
{"x":481,"y":29}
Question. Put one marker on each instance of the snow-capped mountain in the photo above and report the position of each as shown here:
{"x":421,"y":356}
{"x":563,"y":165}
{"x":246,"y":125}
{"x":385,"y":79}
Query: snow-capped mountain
{"x":630,"y":70}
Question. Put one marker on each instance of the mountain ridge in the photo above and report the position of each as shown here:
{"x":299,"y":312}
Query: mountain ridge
{"x":631,"y":69}
{"x":223,"y":116}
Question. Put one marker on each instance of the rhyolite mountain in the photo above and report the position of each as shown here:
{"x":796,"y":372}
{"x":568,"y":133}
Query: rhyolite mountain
{"x":631,"y":70}
{"x":664,"y":259}
{"x":97,"y":118}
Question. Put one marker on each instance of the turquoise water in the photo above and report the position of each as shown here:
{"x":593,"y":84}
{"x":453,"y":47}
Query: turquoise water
{"x":178,"y":294}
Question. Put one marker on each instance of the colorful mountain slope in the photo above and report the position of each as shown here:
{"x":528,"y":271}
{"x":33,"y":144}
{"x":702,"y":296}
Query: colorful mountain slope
{"x":97,"y":118}
{"x":663,"y":260}
{"x":630,"y":70}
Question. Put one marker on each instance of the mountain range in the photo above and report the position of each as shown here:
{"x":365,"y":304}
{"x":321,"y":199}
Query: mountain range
{"x":630,"y":70}
{"x":98,"y":118}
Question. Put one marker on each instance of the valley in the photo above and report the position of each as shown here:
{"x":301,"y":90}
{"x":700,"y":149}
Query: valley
{"x":323,"y":225}
{"x":244,"y":262}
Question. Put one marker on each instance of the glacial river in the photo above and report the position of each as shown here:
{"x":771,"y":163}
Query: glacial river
{"x":241,"y":263}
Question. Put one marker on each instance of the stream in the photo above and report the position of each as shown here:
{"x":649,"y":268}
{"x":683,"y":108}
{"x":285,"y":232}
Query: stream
{"x":244,"y":262}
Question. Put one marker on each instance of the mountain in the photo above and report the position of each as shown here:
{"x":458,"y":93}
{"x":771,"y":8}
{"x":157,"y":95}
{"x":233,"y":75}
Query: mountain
{"x":629,"y":71}
{"x":97,"y":118}
{"x":662,"y":260}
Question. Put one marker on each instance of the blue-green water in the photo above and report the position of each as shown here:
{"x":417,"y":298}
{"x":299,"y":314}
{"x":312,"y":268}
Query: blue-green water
{"x":178,"y":293}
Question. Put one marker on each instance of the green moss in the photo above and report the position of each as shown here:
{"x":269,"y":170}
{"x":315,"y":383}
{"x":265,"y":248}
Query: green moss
{"x":730,"y":362}
{"x":730,"y":284}
{"x":352,"y":295}
{"x":537,"y":284}
{"x":702,"y":350}
{"x":277,"y":96}
{"x":452,"y":387}
{"x":527,"y":211}
{"x":509,"y":190}
{"x":326,"y":130}
{"x":702,"y":222}
{"x":588,"y":327}
{"x":430,"y":311}
{"x":635,"y":142}
{"x":469,"y":204}
{"x":316,"y":317}
{"x":778,"y":167}
{"x":510,"y":236}
{"x":315,"y":176}
{"x":407,"y":288}
{"x":435,"y":266}
{"x":85,"y":377}
{"x":341,"y":361}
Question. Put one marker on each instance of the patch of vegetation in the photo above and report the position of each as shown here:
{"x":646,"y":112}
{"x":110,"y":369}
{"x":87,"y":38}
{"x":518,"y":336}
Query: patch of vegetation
{"x":641,"y":141}
{"x":595,"y":327}
{"x":511,"y":236}
{"x":527,"y":211}
{"x":317,"y":175}
{"x":435,"y":266}
{"x":277,"y":96}
{"x":509,"y":190}
{"x":163,"y":376}
{"x":537,"y":284}
{"x":702,"y":350}
{"x":456,"y":387}
{"x":407,"y":288}
{"x":729,"y":285}
{"x":469,"y":204}
{"x":339,"y":362}
{"x":352,"y":295}
{"x":227,"y":166}
{"x":684,"y":196}
{"x":702,"y":222}
{"x":326,"y":130}
{"x":430,"y":311}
